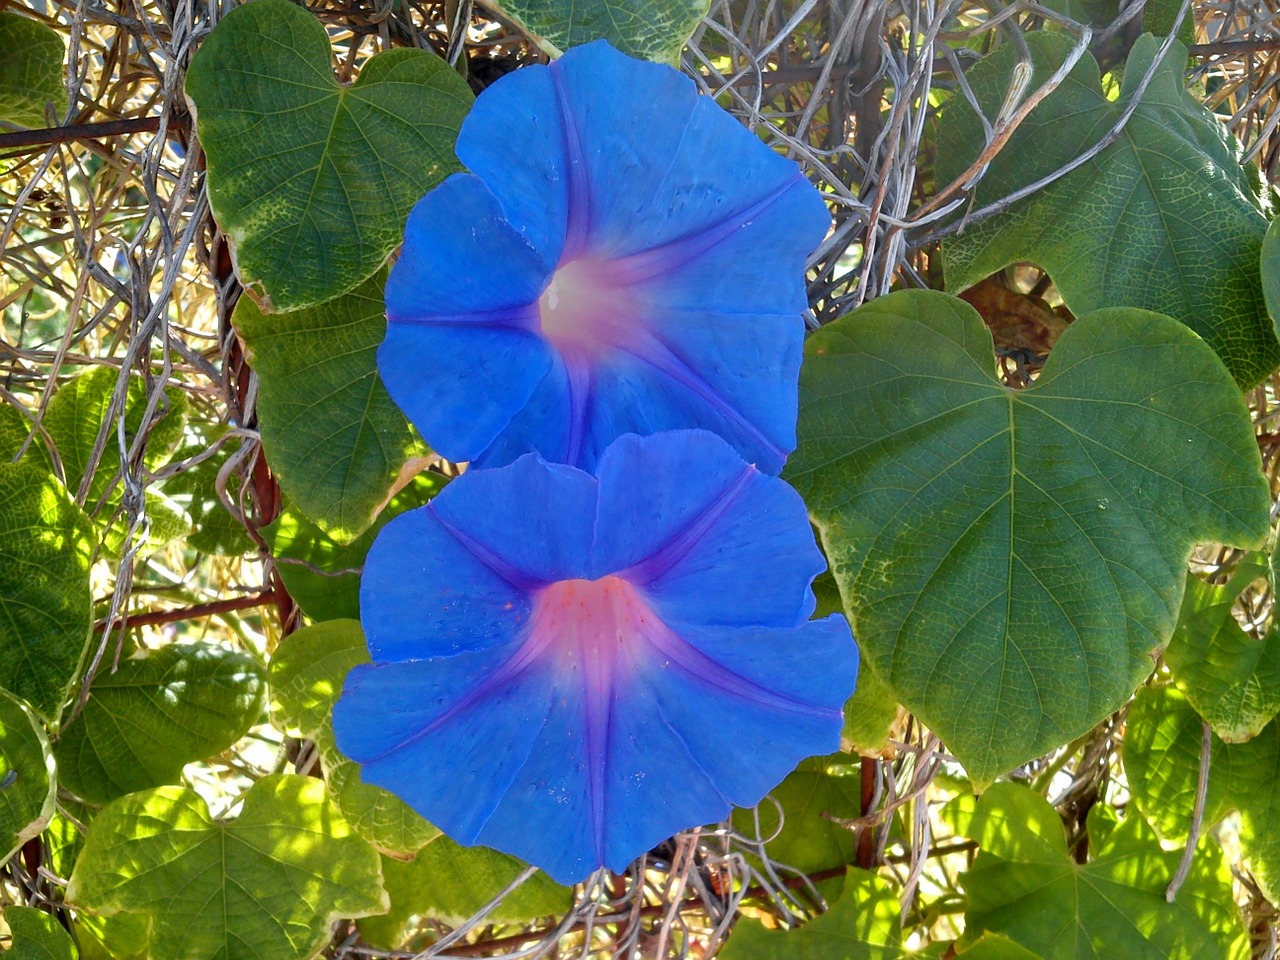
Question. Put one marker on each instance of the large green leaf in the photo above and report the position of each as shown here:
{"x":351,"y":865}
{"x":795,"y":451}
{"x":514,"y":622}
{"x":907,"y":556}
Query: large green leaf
{"x":1027,"y":887}
{"x":31,"y":57}
{"x":27,"y":786}
{"x":808,"y":841}
{"x":160,"y":710}
{"x":650,"y":29}
{"x":862,"y":924}
{"x":307,"y":672}
{"x":320,"y":573}
{"x":1162,"y":760}
{"x":1164,"y":218}
{"x":1012,"y":558}
{"x":1231,"y":678}
{"x":320,"y":391}
{"x":312,"y":181}
{"x":266,"y":885}
{"x":449,"y":883}
{"x":45,"y":605}
{"x":37,"y":936}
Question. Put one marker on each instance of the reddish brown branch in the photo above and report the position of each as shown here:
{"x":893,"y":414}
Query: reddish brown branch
{"x":230,"y":605}
{"x":81,"y":131}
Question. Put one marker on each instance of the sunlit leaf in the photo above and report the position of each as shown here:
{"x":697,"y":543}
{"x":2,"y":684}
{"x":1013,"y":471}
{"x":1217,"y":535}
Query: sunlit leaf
{"x":159,"y":710}
{"x":266,"y":885}
{"x":1165,"y":218}
{"x":1011,"y":559}
{"x":1231,"y":678}
{"x":1026,"y":886}
{"x":45,"y":605}
{"x":307,"y":671}
{"x":863,"y":924}
{"x":312,"y":181}
{"x":27,"y":787}
{"x":1162,"y":760}
{"x":320,"y":391}
{"x":31,"y":56}
{"x":449,"y":883}
{"x":37,"y":935}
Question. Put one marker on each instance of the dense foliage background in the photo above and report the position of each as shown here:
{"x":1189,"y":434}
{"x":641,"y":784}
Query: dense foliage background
{"x":1043,"y":503}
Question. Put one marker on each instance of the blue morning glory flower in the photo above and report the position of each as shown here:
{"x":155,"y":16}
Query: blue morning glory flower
{"x":571,"y":668}
{"x":624,"y":257}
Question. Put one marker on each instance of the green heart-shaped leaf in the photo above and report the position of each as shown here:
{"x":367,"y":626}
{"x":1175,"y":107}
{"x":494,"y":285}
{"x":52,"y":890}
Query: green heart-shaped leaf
{"x":649,"y":29}
{"x":1027,"y":887}
{"x":320,"y":391}
{"x":266,"y":885}
{"x":27,"y":788}
{"x":312,"y":181}
{"x":1011,"y":559}
{"x":46,"y":543}
{"x":1165,"y":218}
{"x":158,"y":711}
{"x":31,"y":56}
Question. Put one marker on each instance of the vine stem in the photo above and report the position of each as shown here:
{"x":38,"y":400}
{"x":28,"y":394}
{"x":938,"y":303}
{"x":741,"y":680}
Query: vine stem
{"x":192,"y":612}
{"x":81,"y":131}
{"x":1197,"y":816}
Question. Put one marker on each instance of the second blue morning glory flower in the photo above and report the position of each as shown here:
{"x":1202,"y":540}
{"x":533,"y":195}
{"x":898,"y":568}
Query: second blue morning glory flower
{"x":624,"y":257}
{"x":572,"y":667}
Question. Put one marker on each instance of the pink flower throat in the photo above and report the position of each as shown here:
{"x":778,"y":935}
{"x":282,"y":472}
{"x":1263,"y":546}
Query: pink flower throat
{"x":587,"y":308}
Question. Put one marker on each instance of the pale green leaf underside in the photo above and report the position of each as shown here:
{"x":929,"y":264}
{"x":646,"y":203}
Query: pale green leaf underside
{"x":266,"y":885}
{"x":26,"y":770}
{"x":334,"y":438}
{"x":1231,"y":678}
{"x":1025,"y":886}
{"x":313,"y":181}
{"x":862,"y":924}
{"x":37,"y":935}
{"x":1162,"y":762}
{"x":31,"y":57}
{"x":649,"y":29}
{"x":156,"y":713}
{"x":1010,"y":560}
{"x":45,"y":546}
{"x":1164,"y":219}
{"x":307,"y":673}
{"x":449,"y":883}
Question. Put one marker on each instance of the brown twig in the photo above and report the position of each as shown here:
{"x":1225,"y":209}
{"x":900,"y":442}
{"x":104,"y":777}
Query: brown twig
{"x":193,"y":612}
{"x":83,"y":131}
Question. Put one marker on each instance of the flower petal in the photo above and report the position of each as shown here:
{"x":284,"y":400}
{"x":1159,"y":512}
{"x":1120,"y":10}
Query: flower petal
{"x":424,"y":594}
{"x":462,"y":354}
{"x":462,"y":262}
{"x":532,"y":519}
{"x":522,"y":108}
{"x":460,"y":384}
{"x":663,"y":164}
{"x":733,"y":375}
{"x":718,"y":268}
{"x":436,"y":735}
{"x":721,"y":523}
{"x":783,"y":720}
